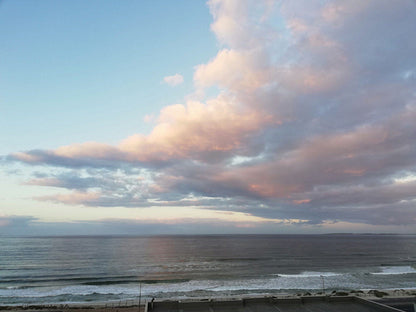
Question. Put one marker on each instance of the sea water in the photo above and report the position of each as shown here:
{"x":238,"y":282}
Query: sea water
{"x":46,"y":270}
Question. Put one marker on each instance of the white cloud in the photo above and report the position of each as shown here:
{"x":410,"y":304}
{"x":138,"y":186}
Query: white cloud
{"x":174,"y":80}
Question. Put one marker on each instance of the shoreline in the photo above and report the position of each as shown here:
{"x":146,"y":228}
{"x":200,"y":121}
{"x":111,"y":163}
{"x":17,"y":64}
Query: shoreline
{"x":133,"y":305}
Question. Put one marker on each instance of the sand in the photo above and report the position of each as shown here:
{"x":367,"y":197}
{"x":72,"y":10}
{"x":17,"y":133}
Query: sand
{"x":399,"y":294}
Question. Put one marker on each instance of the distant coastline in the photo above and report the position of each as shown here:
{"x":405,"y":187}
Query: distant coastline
{"x":205,"y":235}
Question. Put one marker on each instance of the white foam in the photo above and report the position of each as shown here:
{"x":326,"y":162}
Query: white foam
{"x":308,"y":274}
{"x":276,"y":283}
{"x":308,"y":280}
{"x":63,"y":290}
{"x":396,"y":270}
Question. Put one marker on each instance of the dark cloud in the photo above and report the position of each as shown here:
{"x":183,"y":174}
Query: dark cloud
{"x":50,"y":158}
{"x":16,"y":225}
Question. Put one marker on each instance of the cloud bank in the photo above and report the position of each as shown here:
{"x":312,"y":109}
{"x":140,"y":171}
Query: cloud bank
{"x":314,"y":120}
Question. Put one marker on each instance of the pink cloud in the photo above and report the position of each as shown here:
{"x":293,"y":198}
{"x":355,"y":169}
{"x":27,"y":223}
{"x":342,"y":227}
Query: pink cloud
{"x":240,"y":71}
{"x":233,"y":22}
{"x":195,"y":129}
{"x":314,"y":98}
{"x":73,"y":198}
{"x":301,"y":201}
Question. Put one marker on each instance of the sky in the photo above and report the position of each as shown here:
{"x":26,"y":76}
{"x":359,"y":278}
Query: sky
{"x":218,"y":117}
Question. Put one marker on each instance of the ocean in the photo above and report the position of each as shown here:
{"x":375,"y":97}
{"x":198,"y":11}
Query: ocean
{"x":64,"y":270}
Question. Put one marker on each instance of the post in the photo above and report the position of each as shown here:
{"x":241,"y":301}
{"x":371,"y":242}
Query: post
{"x":140,"y":295}
{"x":323,"y":284}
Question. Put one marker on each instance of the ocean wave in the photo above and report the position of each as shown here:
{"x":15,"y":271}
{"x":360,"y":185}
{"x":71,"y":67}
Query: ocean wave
{"x":42,"y":281}
{"x":15,"y":287}
{"x":241,"y":259}
{"x":286,"y":283}
{"x":308,"y":274}
{"x":136,"y":281}
{"x":184,"y":286}
{"x":306,"y":280}
{"x":395,"y":270}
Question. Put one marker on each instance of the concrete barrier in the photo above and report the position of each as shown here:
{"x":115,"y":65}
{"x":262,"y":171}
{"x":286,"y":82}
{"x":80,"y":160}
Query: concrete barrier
{"x":309,"y":303}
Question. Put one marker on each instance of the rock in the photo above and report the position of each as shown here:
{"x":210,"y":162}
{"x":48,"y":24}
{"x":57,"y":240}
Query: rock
{"x":377,"y":293}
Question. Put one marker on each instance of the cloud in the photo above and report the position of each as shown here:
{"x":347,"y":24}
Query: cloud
{"x":205,"y":132}
{"x":174,"y":80}
{"x":313,"y":120}
{"x":15,"y":225}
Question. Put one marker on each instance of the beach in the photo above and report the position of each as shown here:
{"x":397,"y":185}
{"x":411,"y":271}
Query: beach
{"x":399,"y":297}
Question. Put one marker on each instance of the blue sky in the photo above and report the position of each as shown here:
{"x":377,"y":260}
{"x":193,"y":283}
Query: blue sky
{"x":76,"y":71}
{"x":140,"y":117}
